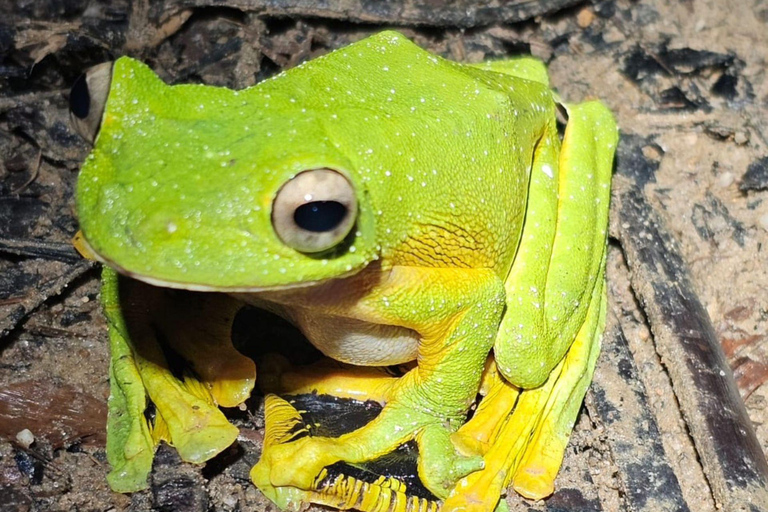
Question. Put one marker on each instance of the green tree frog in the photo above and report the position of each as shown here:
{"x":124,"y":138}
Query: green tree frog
{"x":398,"y":208}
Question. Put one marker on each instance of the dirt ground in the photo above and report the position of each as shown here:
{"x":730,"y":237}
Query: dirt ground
{"x":686,"y":81}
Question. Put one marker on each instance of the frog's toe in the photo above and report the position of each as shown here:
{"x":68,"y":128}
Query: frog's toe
{"x":537,"y":480}
{"x":298,"y":463}
{"x":440,"y":464}
{"x":440,"y":478}
{"x":463,"y":466}
{"x":477,"y":492}
{"x":289,"y":458}
{"x":473,"y":502}
{"x":286,"y":498}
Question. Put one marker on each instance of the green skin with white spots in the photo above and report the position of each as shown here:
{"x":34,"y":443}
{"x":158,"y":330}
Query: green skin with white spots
{"x":476,"y":229}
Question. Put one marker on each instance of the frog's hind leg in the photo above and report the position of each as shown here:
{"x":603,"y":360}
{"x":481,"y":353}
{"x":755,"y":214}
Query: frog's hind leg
{"x":549,"y":337}
{"x":535,"y":473}
{"x":560,"y":257}
{"x":555,"y":300}
{"x":528,"y":444}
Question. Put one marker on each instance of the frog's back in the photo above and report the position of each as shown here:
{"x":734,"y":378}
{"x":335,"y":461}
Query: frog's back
{"x":443,"y":149}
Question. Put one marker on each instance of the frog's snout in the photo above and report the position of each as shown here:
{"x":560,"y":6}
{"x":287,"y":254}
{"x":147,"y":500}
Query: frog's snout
{"x":88,"y":98}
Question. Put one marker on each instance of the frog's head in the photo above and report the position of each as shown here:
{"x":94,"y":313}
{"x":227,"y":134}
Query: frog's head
{"x":207,"y":188}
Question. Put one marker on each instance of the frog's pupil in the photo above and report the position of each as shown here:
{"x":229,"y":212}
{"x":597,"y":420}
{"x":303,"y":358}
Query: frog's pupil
{"x":320,"y":216}
{"x":80,"y":98}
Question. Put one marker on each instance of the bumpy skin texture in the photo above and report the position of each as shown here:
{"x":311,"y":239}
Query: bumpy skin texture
{"x":475,"y":230}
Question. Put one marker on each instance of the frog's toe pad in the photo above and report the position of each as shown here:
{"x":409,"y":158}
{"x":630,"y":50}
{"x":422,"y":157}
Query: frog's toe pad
{"x":535,"y":482}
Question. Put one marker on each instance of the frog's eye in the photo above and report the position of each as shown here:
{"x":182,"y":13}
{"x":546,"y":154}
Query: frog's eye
{"x":314,"y":211}
{"x":88,"y":98}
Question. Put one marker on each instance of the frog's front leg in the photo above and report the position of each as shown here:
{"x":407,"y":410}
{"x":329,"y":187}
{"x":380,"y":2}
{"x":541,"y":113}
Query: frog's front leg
{"x":456,"y":313}
{"x":147,"y":325}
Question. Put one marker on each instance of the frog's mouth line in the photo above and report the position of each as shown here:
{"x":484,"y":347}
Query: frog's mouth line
{"x":88,"y":252}
{"x":222,"y":289}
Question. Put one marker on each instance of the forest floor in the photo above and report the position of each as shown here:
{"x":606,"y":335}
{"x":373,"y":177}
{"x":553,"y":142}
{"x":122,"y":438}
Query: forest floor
{"x":687,"y":83}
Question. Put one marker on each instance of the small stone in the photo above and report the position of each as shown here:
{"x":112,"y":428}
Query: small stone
{"x":585,"y":17}
{"x":763,"y":221}
{"x":726,"y":179}
{"x":741,"y":138}
{"x":651,"y":152}
{"x":25,"y":438}
{"x":583,"y":47}
{"x":719,"y":132}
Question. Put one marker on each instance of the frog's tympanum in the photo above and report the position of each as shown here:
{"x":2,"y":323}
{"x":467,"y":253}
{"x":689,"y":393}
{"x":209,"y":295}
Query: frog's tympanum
{"x":398,"y":208}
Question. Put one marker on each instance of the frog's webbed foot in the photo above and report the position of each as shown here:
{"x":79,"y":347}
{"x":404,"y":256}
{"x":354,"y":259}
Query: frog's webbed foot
{"x":296,"y":467}
{"x":525,"y":433}
{"x":340,"y":486}
{"x":167,"y":354}
{"x":291,"y":458}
